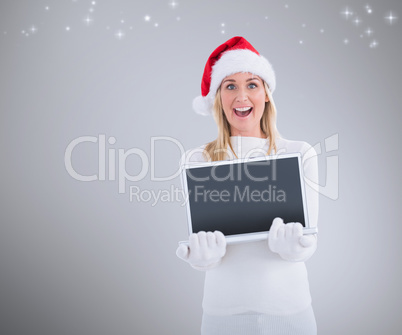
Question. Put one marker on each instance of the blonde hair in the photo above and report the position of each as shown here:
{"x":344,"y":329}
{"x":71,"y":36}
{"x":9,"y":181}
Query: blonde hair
{"x":217,"y":149}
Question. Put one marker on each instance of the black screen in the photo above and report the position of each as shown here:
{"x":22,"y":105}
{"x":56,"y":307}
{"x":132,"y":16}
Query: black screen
{"x":245,"y":197}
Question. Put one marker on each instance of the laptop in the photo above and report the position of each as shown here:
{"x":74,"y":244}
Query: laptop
{"x":241,"y":197}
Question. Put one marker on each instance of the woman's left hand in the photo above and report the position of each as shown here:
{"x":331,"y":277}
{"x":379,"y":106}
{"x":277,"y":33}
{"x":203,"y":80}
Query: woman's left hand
{"x":288,"y":241}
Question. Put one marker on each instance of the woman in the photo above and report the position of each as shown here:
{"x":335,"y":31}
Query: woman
{"x":256,"y":287}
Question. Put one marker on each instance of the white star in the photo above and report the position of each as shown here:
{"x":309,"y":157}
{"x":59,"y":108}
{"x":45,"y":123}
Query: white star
{"x":391,"y":18}
{"x":178,"y":18}
{"x":347,"y":13}
{"x":368,"y":9}
{"x":222,"y":24}
{"x":156,"y":24}
{"x":286,"y":6}
{"x":47,"y":8}
{"x":147,"y":18}
{"x":369,"y":32}
{"x":373,"y":44}
{"x":303,"y":25}
{"x":34,"y":29}
{"x":321,"y":31}
{"x":357,"y":21}
{"x":122,"y":21}
{"x":119,"y":34}
{"x":93,"y":3}
{"x":173,"y":4}
{"x":88,"y":20}
{"x":68,"y":28}
{"x":222,"y":31}
{"x":345,"y":41}
{"x":300,"y":42}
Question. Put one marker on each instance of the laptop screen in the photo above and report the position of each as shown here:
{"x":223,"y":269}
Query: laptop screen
{"x":245,"y":197}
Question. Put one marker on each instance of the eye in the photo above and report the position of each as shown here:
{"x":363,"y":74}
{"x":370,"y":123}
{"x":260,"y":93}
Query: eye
{"x":252,"y":85}
{"x":230,"y":87}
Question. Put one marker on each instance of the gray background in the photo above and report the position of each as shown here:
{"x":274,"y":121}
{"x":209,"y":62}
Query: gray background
{"x":80,"y":258}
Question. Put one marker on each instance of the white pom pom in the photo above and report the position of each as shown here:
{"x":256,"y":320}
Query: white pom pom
{"x":202,"y":106}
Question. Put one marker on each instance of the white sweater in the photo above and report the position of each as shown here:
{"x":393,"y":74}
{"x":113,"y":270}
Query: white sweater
{"x":250,"y":277}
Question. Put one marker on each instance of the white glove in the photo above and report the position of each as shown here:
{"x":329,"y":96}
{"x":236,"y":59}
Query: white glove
{"x":288,"y":241}
{"x":205,"y":250}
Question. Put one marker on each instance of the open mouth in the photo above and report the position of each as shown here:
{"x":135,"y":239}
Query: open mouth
{"x":243,"y":111}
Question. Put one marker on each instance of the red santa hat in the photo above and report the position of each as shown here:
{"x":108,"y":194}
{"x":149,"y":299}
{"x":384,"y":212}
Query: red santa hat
{"x":233,"y":56}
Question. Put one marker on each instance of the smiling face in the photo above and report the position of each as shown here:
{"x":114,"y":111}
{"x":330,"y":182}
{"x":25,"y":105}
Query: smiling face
{"x":243,"y":99}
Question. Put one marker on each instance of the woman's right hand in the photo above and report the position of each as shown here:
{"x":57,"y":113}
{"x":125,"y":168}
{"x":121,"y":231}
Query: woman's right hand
{"x":205,"y":250}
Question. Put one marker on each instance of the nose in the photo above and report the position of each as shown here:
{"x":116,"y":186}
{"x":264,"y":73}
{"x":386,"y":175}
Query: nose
{"x":241,"y":95}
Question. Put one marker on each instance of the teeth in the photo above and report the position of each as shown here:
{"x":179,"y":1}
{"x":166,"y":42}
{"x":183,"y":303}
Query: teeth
{"x":243,"y":109}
